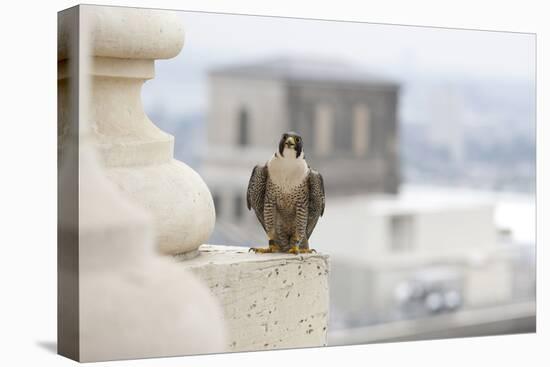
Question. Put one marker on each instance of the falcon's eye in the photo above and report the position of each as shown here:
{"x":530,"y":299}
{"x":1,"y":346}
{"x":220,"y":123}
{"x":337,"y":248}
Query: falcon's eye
{"x":285,"y":136}
{"x":298,"y":139}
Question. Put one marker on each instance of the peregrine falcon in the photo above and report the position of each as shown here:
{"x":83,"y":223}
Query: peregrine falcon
{"x":287,"y":196}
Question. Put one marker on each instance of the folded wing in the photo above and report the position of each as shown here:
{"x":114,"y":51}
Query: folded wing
{"x":316,"y":200}
{"x":255,"y":194}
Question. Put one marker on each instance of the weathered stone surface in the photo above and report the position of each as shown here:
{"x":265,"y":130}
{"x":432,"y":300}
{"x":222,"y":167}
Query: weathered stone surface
{"x":270,"y":301}
{"x":134,"y":33}
{"x":116,"y":297}
{"x":121,"y":45}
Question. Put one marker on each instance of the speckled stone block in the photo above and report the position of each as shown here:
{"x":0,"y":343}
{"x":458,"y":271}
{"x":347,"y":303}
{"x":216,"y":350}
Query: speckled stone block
{"x":270,"y":301}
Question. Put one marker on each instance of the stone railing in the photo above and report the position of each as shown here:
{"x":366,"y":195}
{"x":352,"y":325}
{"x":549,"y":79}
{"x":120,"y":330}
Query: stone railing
{"x":269,"y":301}
{"x":142,"y":218}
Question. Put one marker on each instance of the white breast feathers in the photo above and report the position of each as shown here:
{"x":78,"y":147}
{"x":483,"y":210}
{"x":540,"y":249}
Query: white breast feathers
{"x":287,"y":171}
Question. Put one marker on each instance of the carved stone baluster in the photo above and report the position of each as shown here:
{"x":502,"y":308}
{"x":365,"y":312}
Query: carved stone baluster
{"x":123,"y":45}
{"x":118,"y":298}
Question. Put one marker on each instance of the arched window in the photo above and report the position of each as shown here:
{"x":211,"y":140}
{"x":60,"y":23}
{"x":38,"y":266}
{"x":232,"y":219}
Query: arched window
{"x":243,"y":138}
{"x":361,"y":129}
{"x":323,"y":129}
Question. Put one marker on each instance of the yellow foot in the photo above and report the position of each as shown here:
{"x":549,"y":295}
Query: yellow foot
{"x":272,"y":248}
{"x":294,"y":250}
{"x":297,"y":250}
{"x":259,"y":250}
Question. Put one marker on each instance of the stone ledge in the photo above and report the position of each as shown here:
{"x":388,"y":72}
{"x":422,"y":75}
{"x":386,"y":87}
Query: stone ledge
{"x":270,"y":301}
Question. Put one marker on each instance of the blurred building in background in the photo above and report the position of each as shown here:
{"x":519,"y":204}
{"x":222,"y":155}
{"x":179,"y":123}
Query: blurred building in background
{"x":424,"y":254}
{"x":347,"y":117}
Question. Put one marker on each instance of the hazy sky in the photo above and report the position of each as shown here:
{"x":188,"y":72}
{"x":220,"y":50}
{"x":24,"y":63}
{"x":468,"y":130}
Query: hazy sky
{"x":402,"y":52}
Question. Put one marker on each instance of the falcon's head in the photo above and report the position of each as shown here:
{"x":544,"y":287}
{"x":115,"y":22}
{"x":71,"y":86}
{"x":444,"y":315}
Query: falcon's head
{"x":291,"y":140}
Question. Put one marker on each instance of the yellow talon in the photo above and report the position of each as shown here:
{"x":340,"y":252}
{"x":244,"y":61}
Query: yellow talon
{"x":294,"y":250}
{"x":273,"y":247}
{"x":260,"y":250}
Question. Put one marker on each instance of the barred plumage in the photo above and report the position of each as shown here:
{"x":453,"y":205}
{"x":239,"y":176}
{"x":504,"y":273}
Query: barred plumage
{"x":288,"y":198}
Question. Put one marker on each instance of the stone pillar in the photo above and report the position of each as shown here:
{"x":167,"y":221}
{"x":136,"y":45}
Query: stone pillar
{"x":270,"y":301}
{"x":118,"y":298}
{"x":122,"y":44}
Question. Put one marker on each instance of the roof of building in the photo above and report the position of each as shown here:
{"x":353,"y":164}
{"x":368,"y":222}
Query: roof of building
{"x":305,"y":69}
{"x":413,"y":199}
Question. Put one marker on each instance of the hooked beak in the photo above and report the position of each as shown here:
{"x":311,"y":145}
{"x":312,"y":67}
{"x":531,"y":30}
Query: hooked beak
{"x":290,"y":142}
